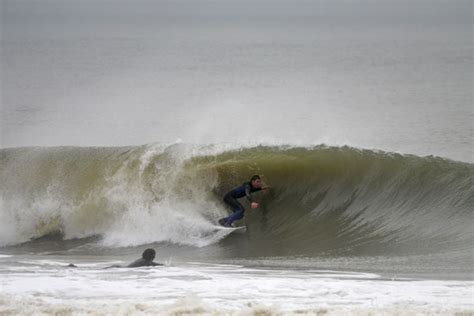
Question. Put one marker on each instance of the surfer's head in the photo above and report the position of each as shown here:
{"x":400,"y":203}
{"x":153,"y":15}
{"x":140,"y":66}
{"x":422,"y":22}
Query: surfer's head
{"x":256,"y":181}
{"x":149,"y":254}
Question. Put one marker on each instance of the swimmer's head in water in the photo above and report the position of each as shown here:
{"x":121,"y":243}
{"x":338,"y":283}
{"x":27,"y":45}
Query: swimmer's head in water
{"x":149,"y":254}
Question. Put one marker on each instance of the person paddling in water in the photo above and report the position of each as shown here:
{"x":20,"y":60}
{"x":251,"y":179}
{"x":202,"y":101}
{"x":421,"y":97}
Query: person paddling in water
{"x":254,"y":185}
{"x":145,"y":261}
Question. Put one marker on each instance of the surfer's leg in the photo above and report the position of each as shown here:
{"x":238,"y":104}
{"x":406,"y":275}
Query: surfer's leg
{"x":238,"y":214}
{"x":237,"y":209}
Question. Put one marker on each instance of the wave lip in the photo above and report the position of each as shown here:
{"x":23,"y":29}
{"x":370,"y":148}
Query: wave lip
{"x":337,"y":200}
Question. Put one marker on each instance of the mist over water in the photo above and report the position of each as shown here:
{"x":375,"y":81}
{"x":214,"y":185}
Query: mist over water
{"x":384,"y":75}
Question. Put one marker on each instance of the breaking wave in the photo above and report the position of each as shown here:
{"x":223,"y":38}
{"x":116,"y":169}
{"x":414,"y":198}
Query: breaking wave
{"x":323,"y":199}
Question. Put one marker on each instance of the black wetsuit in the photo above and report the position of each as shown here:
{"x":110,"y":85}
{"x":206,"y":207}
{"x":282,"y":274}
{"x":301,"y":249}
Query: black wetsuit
{"x":137,"y":263}
{"x":143,"y":263}
{"x":231,"y":199}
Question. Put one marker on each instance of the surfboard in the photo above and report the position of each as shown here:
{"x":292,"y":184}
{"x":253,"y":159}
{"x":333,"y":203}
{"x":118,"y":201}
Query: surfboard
{"x":232,"y":230}
{"x":238,"y":229}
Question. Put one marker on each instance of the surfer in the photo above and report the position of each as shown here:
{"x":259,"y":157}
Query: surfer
{"x":145,"y":261}
{"x":254,"y":185}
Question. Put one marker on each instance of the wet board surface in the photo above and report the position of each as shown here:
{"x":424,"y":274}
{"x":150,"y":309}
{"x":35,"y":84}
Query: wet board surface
{"x":234,"y":230}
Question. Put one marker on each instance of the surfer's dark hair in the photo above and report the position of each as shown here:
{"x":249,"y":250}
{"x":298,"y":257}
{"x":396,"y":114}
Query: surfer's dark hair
{"x":255,"y":177}
{"x":149,"y":254}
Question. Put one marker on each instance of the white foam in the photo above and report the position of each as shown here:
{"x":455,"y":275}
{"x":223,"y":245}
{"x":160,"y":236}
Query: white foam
{"x":129,"y":207}
{"x":204,"y":288}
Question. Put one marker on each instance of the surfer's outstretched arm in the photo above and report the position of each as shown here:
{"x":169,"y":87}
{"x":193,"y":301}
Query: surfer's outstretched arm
{"x":114,"y":266}
{"x":248,"y":195}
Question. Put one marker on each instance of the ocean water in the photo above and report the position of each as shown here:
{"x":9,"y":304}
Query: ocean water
{"x":390,"y":75}
{"x":342,"y":230}
{"x":123,"y":124}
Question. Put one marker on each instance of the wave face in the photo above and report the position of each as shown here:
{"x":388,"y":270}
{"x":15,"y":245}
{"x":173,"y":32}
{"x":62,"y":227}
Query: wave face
{"x":335,"y":200}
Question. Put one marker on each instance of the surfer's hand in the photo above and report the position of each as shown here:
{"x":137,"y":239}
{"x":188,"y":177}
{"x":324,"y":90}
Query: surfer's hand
{"x":254,"y":205}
